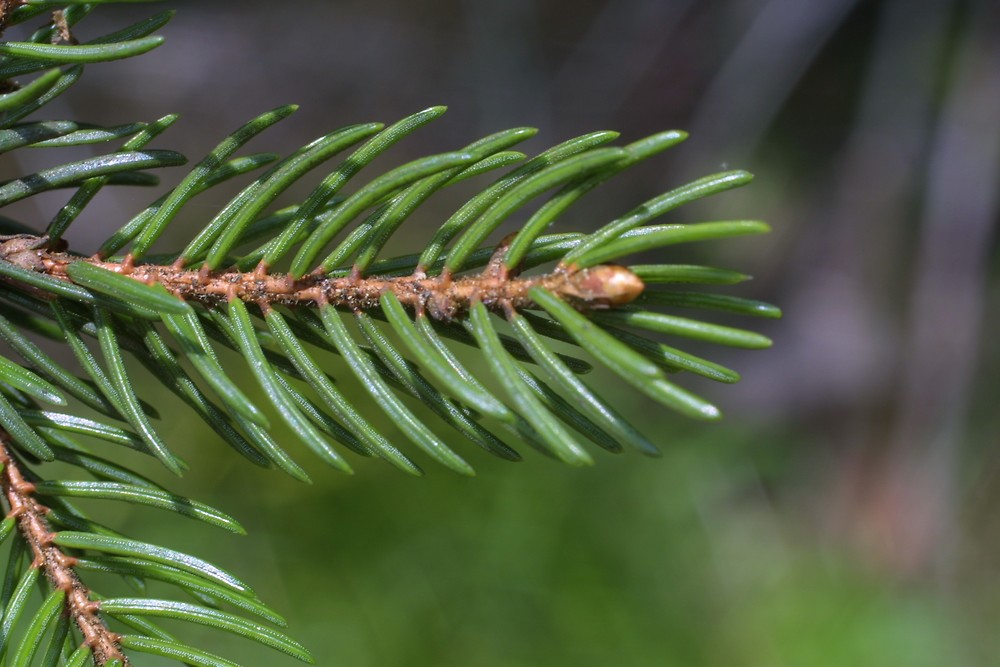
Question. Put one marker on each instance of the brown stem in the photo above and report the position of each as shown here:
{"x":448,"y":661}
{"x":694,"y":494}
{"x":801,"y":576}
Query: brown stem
{"x":62,"y":32}
{"x":442,"y":297}
{"x":6,"y":7}
{"x":57,"y":566}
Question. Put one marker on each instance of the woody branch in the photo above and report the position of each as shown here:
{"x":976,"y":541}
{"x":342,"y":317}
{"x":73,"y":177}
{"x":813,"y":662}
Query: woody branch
{"x":442,"y":297}
{"x":54,"y":564}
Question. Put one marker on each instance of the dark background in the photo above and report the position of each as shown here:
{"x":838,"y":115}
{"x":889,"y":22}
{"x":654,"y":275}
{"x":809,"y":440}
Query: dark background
{"x":844,"y":511}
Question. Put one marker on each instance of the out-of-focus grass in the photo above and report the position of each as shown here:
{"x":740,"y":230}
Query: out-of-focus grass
{"x":698,"y":558}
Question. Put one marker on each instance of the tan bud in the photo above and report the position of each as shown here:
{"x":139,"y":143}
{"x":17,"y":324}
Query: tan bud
{"x":604,"y":286}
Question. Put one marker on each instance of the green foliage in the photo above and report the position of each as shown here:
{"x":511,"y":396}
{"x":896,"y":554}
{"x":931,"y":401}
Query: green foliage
{"x":288,"y":290}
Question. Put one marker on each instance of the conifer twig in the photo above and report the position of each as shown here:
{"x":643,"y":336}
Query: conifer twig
{"x":442,"y":297}
{"x":56,"y":565}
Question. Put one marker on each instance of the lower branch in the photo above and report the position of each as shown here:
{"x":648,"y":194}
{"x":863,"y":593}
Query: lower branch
{"x":57,"y":566}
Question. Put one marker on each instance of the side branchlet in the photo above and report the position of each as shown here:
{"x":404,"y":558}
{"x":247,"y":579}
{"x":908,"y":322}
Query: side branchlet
{"x":57,"y":566}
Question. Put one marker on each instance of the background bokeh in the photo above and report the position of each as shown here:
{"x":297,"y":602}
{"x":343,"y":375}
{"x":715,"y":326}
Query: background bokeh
{"x":844,"y":511}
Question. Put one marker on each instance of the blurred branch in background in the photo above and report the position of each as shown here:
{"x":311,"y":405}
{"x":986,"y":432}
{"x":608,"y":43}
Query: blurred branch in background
{"x":909,"y":219}
{"x":511,"y":75}
{"x":854,"y":268}
{"x":942,"y":336}
{"x":597,"y":71}
{"x":782,"y":40}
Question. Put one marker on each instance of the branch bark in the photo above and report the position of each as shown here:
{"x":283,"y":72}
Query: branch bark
{"x":442,"y":297}
{"x":57,"y":566}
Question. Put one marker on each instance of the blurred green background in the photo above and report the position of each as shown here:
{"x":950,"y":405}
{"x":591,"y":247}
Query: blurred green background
{"x":844,"y":511}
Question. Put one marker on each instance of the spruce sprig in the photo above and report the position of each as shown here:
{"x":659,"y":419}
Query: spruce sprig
{"x":288,"y":290}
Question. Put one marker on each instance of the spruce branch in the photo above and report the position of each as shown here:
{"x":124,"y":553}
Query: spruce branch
{"x":57,"y":566}
{"x":291,"y":289}
{"x":442,"y":297}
